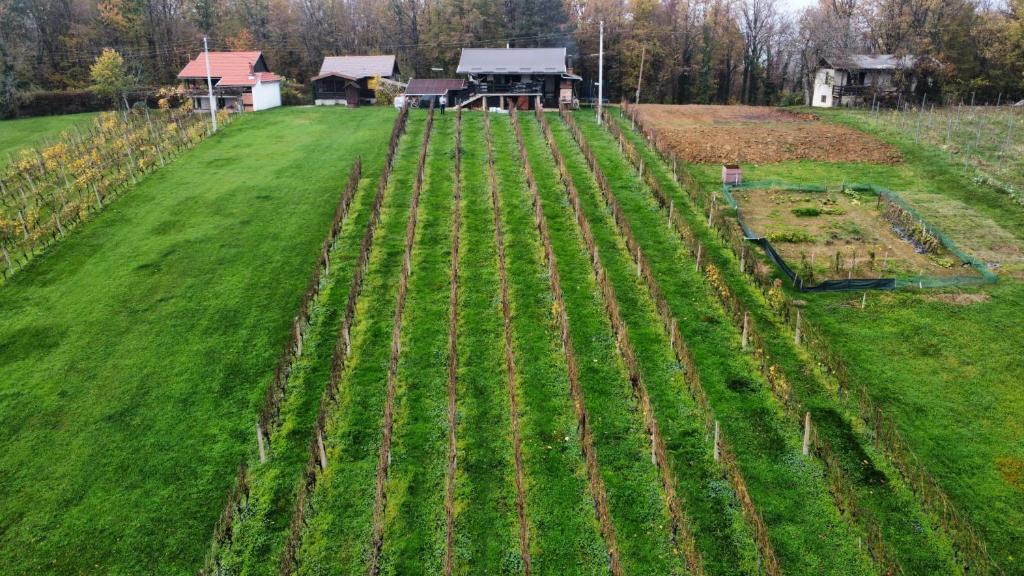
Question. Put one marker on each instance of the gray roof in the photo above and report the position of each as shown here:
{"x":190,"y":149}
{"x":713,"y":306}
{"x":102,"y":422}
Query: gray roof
{"x":433,"y":86}
{"x":512,"y":61}
{"x":869,"y":62}
{"x":356,"y":67}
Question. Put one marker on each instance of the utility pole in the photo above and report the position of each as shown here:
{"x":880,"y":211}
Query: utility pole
{"x":600,"y":73}
{"x":209,"y":86}
{"x":640,"y":77}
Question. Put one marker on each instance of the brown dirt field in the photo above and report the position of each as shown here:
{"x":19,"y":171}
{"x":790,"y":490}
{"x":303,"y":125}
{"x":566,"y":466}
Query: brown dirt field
{"x":853,"y":228}
{"x":759,"y":135}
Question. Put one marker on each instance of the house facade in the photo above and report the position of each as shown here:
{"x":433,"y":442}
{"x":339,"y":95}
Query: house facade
{"x":862,"y":78}
{"x":350,"y":80}
{"x":241,"y":81}
{"x":517,"y":76}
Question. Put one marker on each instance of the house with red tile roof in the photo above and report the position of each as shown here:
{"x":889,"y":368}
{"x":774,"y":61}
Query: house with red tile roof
{"x":241,"y":81}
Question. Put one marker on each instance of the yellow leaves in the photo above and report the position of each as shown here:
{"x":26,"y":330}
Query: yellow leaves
{"x":55,"y":156}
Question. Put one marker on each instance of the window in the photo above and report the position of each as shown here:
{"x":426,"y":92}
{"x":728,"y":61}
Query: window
{"x":823,"y":98}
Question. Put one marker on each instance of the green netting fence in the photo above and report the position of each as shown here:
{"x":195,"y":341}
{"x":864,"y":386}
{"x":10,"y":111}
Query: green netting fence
{"x":985,"y":275}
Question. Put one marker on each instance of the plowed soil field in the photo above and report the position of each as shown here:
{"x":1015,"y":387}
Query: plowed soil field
{"x":754,"y":134}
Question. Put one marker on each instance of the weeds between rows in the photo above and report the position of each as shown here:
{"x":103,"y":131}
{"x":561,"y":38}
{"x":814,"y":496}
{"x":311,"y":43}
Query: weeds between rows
{"x":565,"y":537}
{"x":637,"y":512}
{"x":806,"y":530}
{"x":495,"y":450}
{"x":862,"y":481}
{"x":724,"y":538}
{"x":899,"y":536}
{"x":414,"y":524}
{"x":596,"y":481}
{"x":332,"y":527}
{"x":453,"y":353}
{"x":682,"y":535}
{"x":384,"y":453}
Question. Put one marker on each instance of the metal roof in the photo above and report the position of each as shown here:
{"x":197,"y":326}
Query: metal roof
{"x":433,"y":86}
{"x":356,"y":67}
{"x":512,"y":61}
{"x":869,"y":62}
{"x":221,"y":64}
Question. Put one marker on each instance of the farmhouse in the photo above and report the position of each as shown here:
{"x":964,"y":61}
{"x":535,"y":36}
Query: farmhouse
{"x":424,"y":90}
{"x":241,"y":81}
{"x":352,"y":80}
{"x":858,"y":78}
{"x":500,"y":75}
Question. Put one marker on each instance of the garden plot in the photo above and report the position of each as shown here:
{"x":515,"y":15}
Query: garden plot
{"x":752,"y":134}
{"x":974,"y":232}
{"x":842,"y":234}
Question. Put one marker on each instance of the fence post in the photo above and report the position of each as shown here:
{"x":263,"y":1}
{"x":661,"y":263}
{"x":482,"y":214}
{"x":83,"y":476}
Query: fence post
{"x":718,"y":453}
{"x":699,"y":248}
{"x":259,"y":441}
{"x":320,"y":447}
{"x":746,"y":328}
{"x":796,"y":335}
{"x":807,"y":434}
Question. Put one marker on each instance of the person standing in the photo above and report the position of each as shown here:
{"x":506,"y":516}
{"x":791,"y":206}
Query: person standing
{"x":442,"y":102}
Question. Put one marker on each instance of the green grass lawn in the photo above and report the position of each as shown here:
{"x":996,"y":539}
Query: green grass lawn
{"x":486,"y":525}
{"x":564,"y":536}
{"x":136,"y":352}
{"x":948,"y":373}
{"x":337,"y":538}
{"x":25,"y":132}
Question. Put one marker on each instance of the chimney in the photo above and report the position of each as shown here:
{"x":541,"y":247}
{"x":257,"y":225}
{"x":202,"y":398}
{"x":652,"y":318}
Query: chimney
{"x":252,"y":74}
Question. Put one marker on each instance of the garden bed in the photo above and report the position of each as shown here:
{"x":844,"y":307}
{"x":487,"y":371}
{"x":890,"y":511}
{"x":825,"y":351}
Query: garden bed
{"x":842,"y":234}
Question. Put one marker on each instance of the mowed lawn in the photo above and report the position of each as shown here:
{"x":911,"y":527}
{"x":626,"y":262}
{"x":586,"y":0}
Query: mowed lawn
{"x":25,"y":132}
{"x":134,"y":355}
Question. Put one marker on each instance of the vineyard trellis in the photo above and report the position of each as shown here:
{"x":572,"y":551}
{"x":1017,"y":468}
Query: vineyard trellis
{"x":48,"y":190}
{"x":453,"y":357}
{"x":384,"y":455}
{"x":597,"y":488}
{"x":510,"y":358}
{"x":316,"y":461}
{"x":726,"y":456}
{"x":292,"y":350}
{"x":680,"y":525}
{"x":971,"y":552}
{"x":840,"y":487}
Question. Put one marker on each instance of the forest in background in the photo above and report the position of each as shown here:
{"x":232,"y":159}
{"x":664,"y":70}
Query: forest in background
{"x":694,"y":51}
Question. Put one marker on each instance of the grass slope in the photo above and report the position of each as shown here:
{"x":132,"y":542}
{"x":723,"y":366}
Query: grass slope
{"x":564,"y":537}
{"x":414,"y":535}
{"x":806,"y":530}
{"x":337,"y":536}
{"x":716,"y":520}
{"x":25,"y":132}
{"x":907,"y":532}
{"x":486,"y":525}
{"x":135,"y":353}
{"x":953,"y":393}
{"x":635,"y":499}
{"x":260,"y":532}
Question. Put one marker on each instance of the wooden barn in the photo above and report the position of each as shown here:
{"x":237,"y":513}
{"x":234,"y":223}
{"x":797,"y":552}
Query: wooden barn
{"x":424,"y":90}
{"x":350,"y":80}
{"x":506,"y":76}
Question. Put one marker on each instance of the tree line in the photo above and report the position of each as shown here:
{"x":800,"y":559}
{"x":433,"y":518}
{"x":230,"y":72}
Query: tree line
{"x":703,"y":51}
